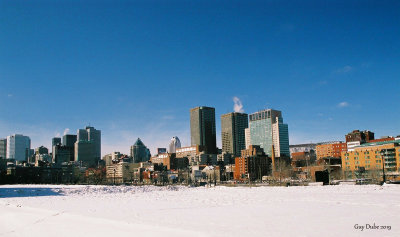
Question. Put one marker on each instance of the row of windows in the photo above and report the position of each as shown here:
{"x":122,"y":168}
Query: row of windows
{"x":367,"y":157}
{"x":367,"y":166}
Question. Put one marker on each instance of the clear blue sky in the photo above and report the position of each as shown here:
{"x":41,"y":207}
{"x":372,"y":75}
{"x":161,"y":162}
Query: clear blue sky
{"x":135,"y":68}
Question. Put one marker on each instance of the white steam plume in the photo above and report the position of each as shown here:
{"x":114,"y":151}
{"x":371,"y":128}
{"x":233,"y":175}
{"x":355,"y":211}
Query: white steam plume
{"x":238,"y":106}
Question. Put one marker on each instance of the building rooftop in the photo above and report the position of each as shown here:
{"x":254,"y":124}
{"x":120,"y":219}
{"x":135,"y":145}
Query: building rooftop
{"x":379,"y":143}
{"x":139,"y":143}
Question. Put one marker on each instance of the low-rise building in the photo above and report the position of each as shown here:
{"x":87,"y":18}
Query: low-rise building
{"x":167,"y":159}
{"x":196,"y":156}
{"x":332,"y":149}
{"x":371,"y":159}
{"x":123,"y":173}
{"x":301,"y":159}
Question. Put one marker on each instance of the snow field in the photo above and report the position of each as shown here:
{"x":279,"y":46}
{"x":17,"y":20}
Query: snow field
{"x":62,"y":210}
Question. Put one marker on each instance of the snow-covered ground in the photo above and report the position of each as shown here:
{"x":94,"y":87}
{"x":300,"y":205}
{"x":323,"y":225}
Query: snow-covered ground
{"x":61,"y":210}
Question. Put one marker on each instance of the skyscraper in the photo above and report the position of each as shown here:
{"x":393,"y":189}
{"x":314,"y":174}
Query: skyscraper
{"x":54,"y":142}
{"x":69,"y":140}
{"x":68,"y":143}
{"x":202,"y":128}
{"x":18,"y":147}
{"x":139,"y":152}
{"x":3,"y":148}
{"x":174,"y":144}
{"x":88,"y":146}
{"x":267,"y":129}
{"x":84,"y":153}
{"x":82,"y":135}
{"x":95,"y":137}
{"x":280,"y":136}
{"x":233,"y":127}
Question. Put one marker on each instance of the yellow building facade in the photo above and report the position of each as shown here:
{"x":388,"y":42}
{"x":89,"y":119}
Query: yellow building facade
{"x":371,"y":158}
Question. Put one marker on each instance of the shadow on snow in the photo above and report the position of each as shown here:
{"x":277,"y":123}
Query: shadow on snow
{"x":28,"y":192}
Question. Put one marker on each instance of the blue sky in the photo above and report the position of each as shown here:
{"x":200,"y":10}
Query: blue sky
{"x":135,"y":68}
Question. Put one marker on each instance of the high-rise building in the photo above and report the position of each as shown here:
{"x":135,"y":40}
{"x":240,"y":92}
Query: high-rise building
{"x":3,"y":148}
{"x":202,"y":128}
{"x":95,"y":137}
{"x":84,"y":153}
{"x":174,"y":144}
{"x":233,"y":127}
{"x":88,"y":146}
{"x":280,"y":136}
{"x":68,"y":143}
{"x":139,"y":152}
{"x":63,"y":154}
{"x":267,"y":130}
{"x":18,"y":147}
{"x":55,"y":141}
{"x":82,"y":135}
{"x":69,"y":140}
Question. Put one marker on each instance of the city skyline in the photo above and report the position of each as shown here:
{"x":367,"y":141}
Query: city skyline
{"x":153,"y":148}
{"x":330,"y":67}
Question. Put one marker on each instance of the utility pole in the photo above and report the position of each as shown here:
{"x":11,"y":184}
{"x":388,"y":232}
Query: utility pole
{"x":383,"y":166}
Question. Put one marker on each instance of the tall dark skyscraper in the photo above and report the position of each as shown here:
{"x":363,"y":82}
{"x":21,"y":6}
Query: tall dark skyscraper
{"x":67,"y":148}
{"x":202,"y":128}
{"x":69,"y":140}
{"x":3,"y":148}
{"x":88,"y":146}
{"x":55,"y":141}
{"x":233,"y":127}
